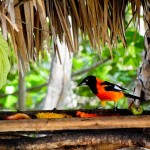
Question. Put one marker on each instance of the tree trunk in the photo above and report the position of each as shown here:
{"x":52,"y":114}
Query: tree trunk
{"x":142,"y":88}
{"x":21,"y":93}
{"x":58,"y":88}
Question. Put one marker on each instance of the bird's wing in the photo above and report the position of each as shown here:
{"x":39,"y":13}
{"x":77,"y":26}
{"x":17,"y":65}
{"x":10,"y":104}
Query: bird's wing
{"x":112,"y":87}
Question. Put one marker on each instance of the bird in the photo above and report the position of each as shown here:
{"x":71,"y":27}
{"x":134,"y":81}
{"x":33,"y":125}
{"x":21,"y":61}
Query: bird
{"x":106,"y":91}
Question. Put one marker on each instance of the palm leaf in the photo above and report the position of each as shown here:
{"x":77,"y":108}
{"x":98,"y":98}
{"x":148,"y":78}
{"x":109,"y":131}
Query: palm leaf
{"x":31,"y":24}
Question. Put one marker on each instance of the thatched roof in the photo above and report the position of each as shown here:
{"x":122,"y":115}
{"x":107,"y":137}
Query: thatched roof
{"x":31,"y":23}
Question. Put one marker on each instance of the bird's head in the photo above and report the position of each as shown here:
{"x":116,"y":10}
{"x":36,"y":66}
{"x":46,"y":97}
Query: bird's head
{"x":89,"y":81}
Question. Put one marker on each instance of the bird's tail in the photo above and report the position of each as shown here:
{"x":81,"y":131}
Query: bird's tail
{"x":134,"y":97}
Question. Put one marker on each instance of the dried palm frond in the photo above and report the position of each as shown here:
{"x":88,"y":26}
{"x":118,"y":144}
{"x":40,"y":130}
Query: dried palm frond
{"x":31,"y":24}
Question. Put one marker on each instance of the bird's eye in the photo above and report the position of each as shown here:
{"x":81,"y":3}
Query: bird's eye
{"x":86,"y":80}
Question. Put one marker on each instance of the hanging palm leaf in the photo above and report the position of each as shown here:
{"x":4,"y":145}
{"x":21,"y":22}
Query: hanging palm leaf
{"x":32,"y":23}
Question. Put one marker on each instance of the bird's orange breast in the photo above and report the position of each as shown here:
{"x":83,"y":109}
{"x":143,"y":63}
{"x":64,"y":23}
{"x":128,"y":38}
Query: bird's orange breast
{"x":107,"y":95}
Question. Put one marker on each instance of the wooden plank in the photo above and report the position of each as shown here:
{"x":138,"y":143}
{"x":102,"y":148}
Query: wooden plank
{"x":80,"y":139}
{"x":99,"y":112}
{"x":75,"y":123}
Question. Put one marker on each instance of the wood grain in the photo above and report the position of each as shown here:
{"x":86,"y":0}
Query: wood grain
{"x":112,"y":122}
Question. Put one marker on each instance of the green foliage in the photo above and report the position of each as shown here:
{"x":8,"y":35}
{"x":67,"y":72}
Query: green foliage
{"x":121,"y":69}
{"x":36,"y":80}
{"x":4,"y":61}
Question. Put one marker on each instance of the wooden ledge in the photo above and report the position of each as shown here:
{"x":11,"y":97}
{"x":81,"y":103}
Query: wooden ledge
{"x":111,"y":122}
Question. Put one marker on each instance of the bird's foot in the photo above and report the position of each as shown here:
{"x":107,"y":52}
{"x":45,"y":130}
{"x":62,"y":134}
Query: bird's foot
{"x":116,"y":108}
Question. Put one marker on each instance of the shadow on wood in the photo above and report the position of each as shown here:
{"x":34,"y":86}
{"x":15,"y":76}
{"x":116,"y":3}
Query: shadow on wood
{"x":79,"y":139}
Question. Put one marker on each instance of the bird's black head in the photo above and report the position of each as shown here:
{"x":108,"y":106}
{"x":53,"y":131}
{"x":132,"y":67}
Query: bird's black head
{"x":91,"y":82}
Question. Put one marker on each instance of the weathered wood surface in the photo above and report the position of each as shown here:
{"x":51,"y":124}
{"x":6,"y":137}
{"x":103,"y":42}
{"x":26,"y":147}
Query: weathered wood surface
{"x":103,"y":112}
{"x":110,"y":122}
{"x":81,"y":140}
{"x":112,"y":130}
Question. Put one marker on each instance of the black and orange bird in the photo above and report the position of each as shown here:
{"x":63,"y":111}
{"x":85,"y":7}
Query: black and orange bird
{"x":106,"y":91}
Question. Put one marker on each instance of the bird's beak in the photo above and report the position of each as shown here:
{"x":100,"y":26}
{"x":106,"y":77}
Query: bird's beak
{"x":82,"y":83}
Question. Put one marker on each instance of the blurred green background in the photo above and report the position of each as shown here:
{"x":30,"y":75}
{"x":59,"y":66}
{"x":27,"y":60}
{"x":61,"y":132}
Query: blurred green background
{"x":121,"y":69}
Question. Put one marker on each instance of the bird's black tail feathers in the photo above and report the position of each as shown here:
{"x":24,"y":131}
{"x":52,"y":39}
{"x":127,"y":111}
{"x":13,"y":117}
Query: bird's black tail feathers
{"x":134,"y":97}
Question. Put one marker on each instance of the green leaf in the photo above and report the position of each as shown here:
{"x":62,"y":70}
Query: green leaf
{"x":10,"y":101}
{"x":4,"y":61}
